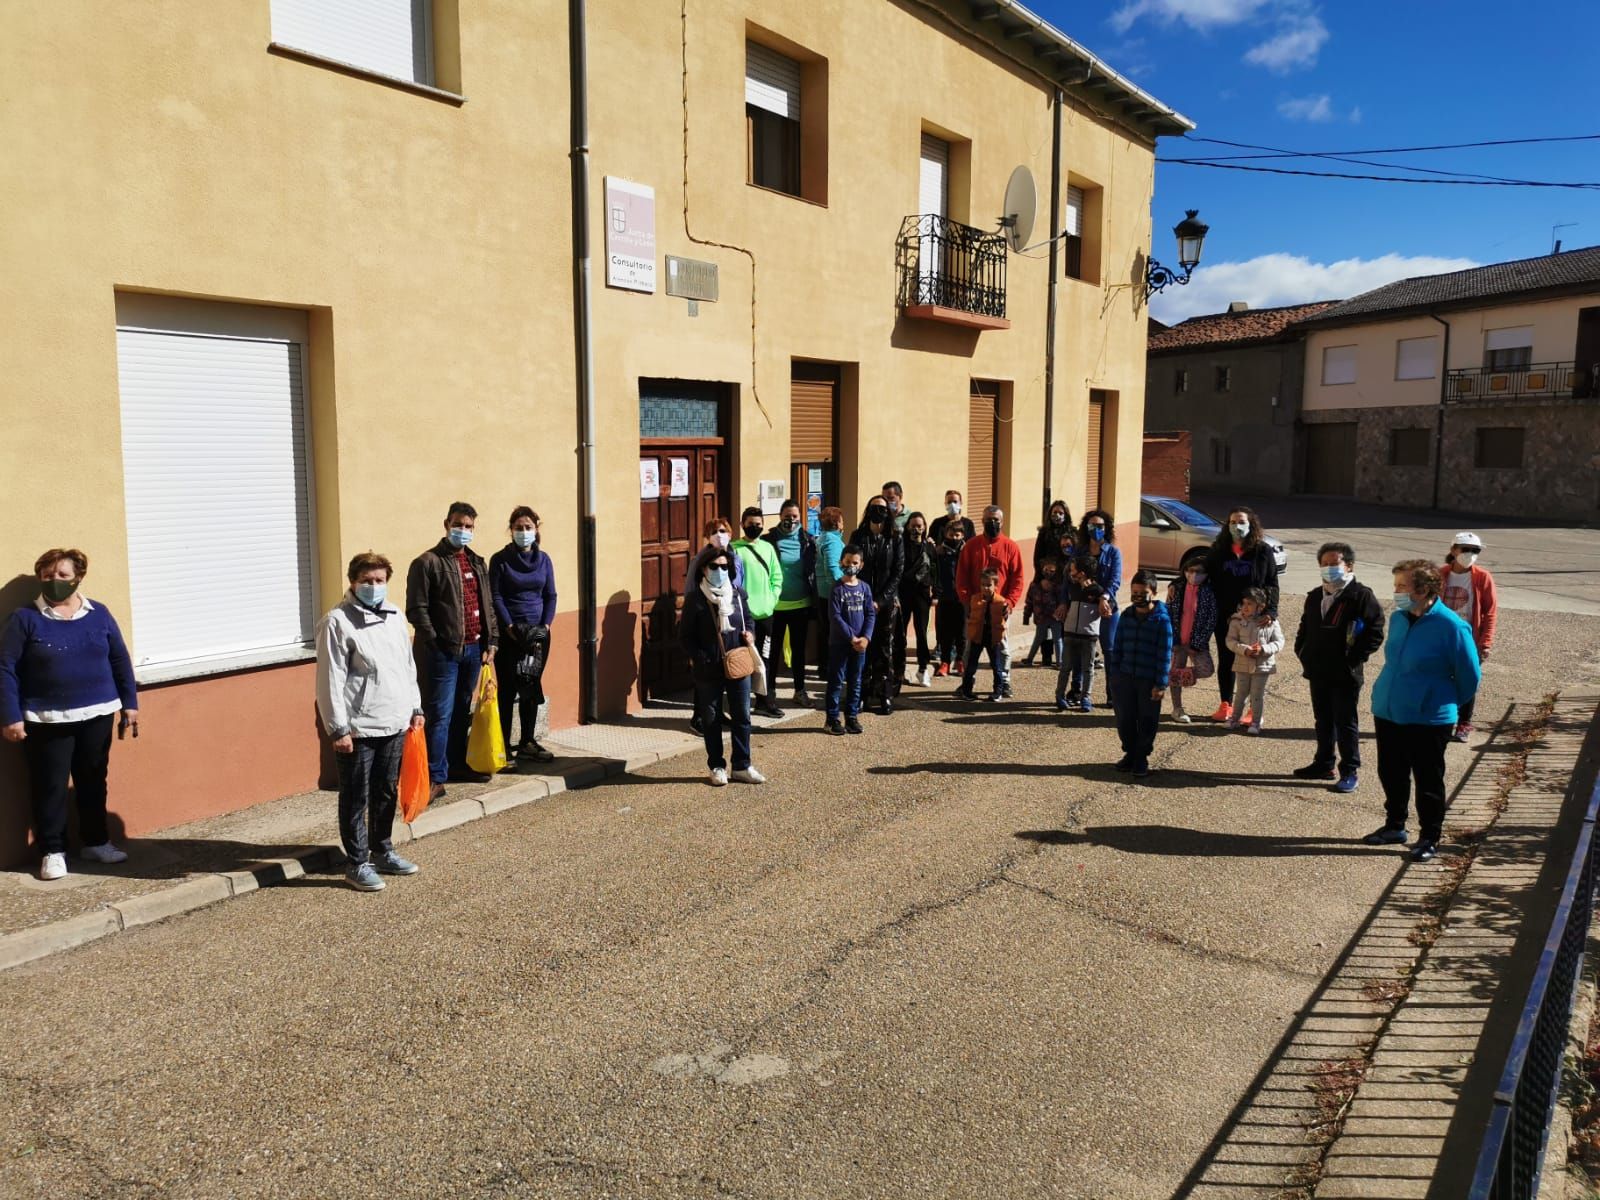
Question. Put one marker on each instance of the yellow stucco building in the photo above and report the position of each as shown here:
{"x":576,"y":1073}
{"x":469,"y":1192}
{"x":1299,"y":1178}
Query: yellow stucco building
{"x":286,"y":277}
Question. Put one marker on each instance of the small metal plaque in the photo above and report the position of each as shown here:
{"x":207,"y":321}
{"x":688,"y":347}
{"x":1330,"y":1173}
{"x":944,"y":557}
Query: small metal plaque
{"x":691,"y":278}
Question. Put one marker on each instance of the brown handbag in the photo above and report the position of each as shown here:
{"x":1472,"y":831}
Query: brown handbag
{"x":738,"y":663}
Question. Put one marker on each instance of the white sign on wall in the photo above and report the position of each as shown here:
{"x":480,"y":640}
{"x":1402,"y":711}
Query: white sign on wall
{"x":680,"y":476}
{"x":630,"y":235}
{"x":649,"y":479}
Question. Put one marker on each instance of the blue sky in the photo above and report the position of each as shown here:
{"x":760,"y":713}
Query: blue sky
{"x":1357,"y":75}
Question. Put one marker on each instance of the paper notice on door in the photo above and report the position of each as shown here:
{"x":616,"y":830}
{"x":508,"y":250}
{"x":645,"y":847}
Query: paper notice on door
{"x":649,"y":479}
{"x":680,"y":476}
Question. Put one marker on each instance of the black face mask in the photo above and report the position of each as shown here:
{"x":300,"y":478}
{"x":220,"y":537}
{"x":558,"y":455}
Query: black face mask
{"x":787,"y":524}
{"x":752,"y":532}
{"x":953,"y":543}
{"x":1141,"y":601}
{"x":877,"y":516}
{"x":991,"y":526}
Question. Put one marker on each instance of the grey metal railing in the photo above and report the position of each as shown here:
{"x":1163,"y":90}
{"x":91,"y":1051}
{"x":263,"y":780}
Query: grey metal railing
{"x":1536,"y":380}
{"x":1512,"y":1153}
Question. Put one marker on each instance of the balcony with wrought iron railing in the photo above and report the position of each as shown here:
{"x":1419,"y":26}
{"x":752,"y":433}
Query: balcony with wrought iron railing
{"x":1536,"y":381}
{"x":952,"y":273}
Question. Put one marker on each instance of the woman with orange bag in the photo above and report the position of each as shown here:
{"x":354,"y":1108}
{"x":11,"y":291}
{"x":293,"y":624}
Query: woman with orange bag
{"x":368,"y":698}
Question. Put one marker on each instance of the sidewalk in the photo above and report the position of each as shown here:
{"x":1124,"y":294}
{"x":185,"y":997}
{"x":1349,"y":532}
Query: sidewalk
{"x":205,"y":862}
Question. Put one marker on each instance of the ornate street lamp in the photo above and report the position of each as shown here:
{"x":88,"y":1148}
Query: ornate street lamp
{"x":1191,"y":235}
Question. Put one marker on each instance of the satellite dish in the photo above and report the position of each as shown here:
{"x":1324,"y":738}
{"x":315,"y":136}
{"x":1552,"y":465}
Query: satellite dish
{"x":1021,"y":206}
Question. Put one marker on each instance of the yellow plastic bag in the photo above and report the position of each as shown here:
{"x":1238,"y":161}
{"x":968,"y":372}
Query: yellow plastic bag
{"x":486,"y":744}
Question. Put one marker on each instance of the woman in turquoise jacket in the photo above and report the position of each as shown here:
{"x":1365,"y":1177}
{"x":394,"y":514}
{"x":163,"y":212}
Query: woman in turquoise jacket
{"x":1430,"y":669}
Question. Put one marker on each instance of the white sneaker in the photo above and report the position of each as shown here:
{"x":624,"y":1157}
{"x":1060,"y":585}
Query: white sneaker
{"x":1254,"y":728}
{"x":1181,"y":717}
{"x":925,"y":677}
{"x":749,"y":775}
{"x":53,"y":866}
{"x":719,"y":777}
{"x":106,"y":853}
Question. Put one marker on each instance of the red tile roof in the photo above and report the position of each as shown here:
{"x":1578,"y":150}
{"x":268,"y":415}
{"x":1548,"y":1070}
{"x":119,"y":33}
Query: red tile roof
{"x":1234,"y":329}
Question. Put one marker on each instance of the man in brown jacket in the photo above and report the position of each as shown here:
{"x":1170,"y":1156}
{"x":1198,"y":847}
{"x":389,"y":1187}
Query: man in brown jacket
{"x":449,"y":604}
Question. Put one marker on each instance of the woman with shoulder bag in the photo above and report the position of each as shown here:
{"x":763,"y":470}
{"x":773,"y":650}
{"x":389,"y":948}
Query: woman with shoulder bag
{"x":718,"y":634}
{"x":523,"y":582}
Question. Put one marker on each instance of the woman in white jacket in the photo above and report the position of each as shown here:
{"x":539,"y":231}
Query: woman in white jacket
{"x":368,"y":697}
{"x":1256,"y":639}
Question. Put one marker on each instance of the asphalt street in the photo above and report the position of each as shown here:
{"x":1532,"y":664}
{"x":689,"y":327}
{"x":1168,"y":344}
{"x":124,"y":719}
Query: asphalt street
{"x":957,"y":956}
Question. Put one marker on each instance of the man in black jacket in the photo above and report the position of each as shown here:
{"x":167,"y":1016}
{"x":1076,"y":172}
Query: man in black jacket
{"x":449,"y":604}
{"x":1341,"y":628}
{"x":883,"y":560}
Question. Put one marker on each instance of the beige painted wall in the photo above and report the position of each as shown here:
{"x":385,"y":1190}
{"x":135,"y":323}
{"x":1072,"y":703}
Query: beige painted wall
{"x":1555,"y":331}
{"x":430,"y":244}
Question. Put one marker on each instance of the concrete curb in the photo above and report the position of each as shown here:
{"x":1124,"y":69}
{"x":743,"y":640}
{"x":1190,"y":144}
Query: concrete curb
{"x":214,"y":887}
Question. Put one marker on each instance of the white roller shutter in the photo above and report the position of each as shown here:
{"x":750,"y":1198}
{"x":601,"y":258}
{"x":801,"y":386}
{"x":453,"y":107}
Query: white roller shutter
{"x":1074,"y":211}
{"x":216,"y":476}
{"x":389,"y":36}
{"x":1339,"y":364}
{"x":1509,"y":339}
{"x":933,"y":181}
{"x":771,"y":81}
{"x":1414,"y":358}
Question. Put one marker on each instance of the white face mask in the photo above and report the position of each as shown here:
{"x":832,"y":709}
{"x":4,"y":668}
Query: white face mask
{"x":1465,"y":558}
{"x":720,"y":540}
{"x":525,"y":538}
{"x":953,"y":507}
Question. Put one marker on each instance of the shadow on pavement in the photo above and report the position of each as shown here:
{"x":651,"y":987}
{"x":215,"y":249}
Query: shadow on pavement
{"x":1181,"y":842}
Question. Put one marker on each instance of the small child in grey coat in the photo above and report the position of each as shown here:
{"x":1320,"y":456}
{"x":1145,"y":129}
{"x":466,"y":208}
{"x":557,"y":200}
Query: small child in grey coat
{"x":1256,"y":638}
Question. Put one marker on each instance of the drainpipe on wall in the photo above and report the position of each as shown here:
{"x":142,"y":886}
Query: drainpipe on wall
{"x":1050,"y":306}
{"x":583,"y":351}
{"x":1438,"y":426}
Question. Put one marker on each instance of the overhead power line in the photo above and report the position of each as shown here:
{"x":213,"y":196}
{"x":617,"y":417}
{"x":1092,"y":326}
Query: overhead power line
{"x":1488,"y":182}
{"x":1276,"y":153}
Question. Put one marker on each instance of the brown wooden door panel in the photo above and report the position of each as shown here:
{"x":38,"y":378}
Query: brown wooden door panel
{"x":669,"y":535}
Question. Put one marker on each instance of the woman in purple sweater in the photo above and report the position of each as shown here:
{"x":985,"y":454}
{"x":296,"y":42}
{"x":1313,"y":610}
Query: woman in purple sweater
{"x":64,"y":674}
{"x":522,"y":580}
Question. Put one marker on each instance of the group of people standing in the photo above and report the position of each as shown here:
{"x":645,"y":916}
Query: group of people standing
{"x":67,"y":684}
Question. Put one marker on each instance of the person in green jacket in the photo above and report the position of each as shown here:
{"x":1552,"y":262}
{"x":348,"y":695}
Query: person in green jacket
{"x":763,"y":580}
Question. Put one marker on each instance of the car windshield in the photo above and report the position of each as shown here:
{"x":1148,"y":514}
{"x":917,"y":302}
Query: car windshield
{"x":1189,"y":516}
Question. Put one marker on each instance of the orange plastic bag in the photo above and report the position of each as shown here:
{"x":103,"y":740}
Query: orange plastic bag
{"x":414,"y":785}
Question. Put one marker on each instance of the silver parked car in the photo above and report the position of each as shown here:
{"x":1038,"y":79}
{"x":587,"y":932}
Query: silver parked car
{"x":1171,"y":534}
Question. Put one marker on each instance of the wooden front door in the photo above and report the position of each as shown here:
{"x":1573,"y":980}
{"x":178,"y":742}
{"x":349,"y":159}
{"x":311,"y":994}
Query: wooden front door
{"x":669,"y":537}
{"x":1331,"y":459}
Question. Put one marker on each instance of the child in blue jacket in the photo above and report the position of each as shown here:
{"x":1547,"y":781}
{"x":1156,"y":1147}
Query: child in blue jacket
{"x":1136,"y":674}
{"x":852,"y":616}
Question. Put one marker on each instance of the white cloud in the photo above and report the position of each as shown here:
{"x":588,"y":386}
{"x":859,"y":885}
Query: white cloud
{"x":1273,"y":279}
{"x":1296,"y":44}
{"x":1307,"y":108}
{"x":1199,"y":14}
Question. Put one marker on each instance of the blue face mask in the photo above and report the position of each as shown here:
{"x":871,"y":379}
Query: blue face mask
{"x":1333,"y":574}
{"x":1097,"y":532}
{"x":372,"y":594}
{"x":1403,"y":602}
{"x":460,"y":536}
{"x":717,"y":577}
{"x":525,"y":538}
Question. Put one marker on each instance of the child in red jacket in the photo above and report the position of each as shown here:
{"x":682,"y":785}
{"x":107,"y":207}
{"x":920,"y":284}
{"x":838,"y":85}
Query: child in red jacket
{"x":1469,"y":593}
{"x":986,"y":629}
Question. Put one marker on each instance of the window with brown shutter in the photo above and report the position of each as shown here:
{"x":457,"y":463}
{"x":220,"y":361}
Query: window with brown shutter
{"x":982,"y":428}
{"x":1091,"y":482}
{"x":813,"y":400}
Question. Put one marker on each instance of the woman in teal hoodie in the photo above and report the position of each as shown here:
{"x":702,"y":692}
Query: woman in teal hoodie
{"x":1430,"y":669}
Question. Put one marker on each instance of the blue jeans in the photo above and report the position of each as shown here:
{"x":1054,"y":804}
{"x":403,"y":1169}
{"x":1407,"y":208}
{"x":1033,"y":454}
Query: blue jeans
{"x":1047,"y":637}
{"x":708,"y":704}
{"x":451,"y":681}
{"x":844,"y":679}
{"x":1076,"y":676}
{"x":1108,"y":631}
{"x":1138,"y":714}
{"x":999,"y":659}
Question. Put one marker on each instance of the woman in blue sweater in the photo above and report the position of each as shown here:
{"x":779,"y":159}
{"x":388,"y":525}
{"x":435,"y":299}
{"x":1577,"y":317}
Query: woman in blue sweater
{"x":522,"y":580}
{"x":64,"y":674}
{"x":1430,"y":669}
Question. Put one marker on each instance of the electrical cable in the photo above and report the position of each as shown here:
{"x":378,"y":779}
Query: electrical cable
{"x":1276,"y":153}
{"x":1527,"y":183}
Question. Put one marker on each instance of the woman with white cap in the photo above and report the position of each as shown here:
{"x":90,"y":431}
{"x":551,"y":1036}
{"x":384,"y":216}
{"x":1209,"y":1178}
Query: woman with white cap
{"x":1469,"y":593}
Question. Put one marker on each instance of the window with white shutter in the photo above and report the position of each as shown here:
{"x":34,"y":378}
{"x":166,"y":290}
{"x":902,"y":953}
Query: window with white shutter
{"x":1508,"y":349}
{"x":1415,"y":358}
{"x":1339,"y":364}
{"x":217,"y":481}
{"x":933,"y":177}
{"x":1081,"y":241}
{"x":772,"y":118}
{"x":389,"y":37}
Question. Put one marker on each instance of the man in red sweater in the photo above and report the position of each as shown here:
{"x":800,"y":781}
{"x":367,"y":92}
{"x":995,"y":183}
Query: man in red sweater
{"x":991,"y":549}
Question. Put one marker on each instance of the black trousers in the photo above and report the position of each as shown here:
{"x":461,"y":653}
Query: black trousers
{"x":1408,"y":753}
{"x":1464,"y":716}
{"x":1224,"y":660}
{"x":878,"y":678}
{"x":369,"y":778}
{"x":950,"y":624}
{"x":1335,"y":707}
{"x":59,"y":751}
{"x":520,"y":693}
{"x":796,"y":622}
{"x":914,"y":612}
